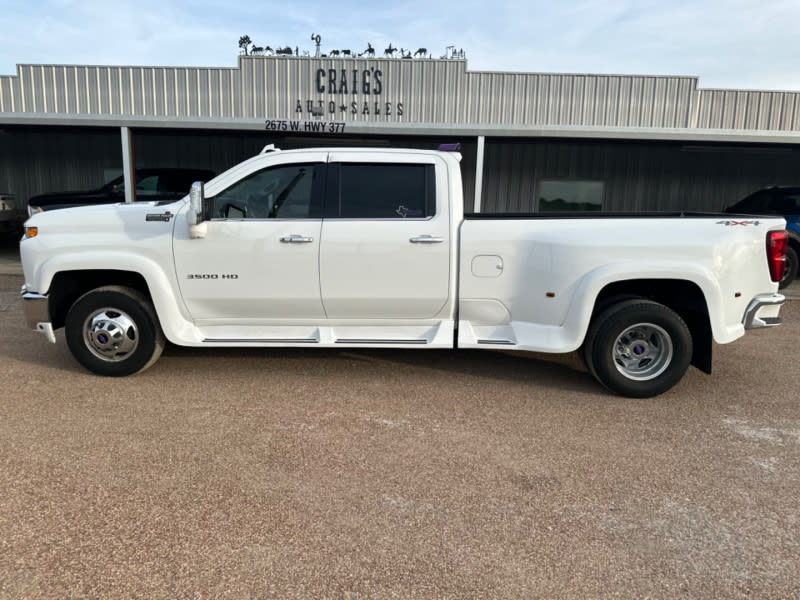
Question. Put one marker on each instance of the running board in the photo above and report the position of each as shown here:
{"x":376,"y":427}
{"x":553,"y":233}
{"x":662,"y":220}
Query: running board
{"x":356,"y":341}
{"x":264,"y":341}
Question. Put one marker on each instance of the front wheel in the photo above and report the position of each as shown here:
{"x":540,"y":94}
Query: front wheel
{"x":114,"y":331}
{"x":638,"y":348}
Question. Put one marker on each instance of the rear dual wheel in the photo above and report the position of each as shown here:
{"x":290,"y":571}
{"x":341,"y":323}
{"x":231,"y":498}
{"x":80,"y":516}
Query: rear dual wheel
{"x":638,"y":348}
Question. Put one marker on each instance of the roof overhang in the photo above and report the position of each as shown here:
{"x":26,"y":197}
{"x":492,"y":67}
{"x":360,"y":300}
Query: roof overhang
{"x":417,"y":129}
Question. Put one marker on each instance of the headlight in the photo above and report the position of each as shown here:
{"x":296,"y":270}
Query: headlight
{"x":31,"y":232}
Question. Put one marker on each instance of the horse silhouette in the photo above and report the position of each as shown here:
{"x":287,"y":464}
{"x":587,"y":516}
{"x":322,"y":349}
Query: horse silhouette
{"x":421,"y":51}
{"x":370,"y":51}
{"x":389,"y":51}
{"x":334,"y":53}
{"x":256,"y":50}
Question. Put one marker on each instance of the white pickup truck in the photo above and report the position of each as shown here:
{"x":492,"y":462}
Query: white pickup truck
{"x":371,"y":248}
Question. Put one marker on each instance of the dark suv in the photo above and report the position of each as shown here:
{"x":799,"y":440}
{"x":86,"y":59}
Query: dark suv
{"x":783,"y":201}
{"x":151,"y":184}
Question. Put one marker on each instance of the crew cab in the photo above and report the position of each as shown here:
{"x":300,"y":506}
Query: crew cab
{"x":371,"y":248}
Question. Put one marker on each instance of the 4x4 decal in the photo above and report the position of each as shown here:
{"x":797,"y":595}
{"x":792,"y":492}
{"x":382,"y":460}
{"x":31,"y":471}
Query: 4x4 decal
{"x":742,"y":223}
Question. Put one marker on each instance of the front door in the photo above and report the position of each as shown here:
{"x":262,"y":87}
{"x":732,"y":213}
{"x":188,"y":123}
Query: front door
{"x":259,"y":260}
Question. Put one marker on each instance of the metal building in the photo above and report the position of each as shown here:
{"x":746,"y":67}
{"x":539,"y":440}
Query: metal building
{"x":531,"y":141}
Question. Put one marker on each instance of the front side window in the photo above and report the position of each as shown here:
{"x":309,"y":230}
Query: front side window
{"x":789,"y":203}
{"x":570,"y":195}
{"x":384,"y":191}
{"x":147,"y":186}
{"x":283,"y":192}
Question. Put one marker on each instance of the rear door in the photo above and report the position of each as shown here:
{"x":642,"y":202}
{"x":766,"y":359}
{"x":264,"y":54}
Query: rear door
{"x":386,"y":238}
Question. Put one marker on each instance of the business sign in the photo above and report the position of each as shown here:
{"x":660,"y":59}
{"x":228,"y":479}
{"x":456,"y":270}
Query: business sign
{"x":342,"y":86}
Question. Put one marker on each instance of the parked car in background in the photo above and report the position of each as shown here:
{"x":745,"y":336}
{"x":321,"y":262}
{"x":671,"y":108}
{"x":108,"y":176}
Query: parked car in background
{"x":782,"y":201}
{"x":11,"y":217}
{"x":151,"y":184}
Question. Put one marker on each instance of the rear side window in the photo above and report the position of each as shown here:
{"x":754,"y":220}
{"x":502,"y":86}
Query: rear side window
{"x":381,"y":191}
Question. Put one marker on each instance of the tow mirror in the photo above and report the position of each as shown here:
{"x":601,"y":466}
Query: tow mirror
{"x":197,"y":211}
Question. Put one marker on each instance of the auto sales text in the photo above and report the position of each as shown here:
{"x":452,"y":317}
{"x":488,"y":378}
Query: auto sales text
{"x":368,"y":82}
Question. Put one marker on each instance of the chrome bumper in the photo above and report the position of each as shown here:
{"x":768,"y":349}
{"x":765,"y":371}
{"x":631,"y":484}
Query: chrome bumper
{"x":37,"y":313}
{"x":750,"y":320}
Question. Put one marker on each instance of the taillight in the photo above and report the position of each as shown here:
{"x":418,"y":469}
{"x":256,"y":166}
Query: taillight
{"x":776,"y":253}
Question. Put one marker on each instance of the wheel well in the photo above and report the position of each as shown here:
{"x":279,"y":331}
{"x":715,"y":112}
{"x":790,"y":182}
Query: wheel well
{"x":684,"y":297}
{"x":68,"y":286}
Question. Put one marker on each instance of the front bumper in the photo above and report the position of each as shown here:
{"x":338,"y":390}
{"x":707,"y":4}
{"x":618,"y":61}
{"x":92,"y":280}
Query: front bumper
{"x":37,"y":313}
{"x":771,"y":303}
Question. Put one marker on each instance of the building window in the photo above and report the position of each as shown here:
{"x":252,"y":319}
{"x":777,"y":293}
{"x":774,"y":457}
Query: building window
{"x":570,"y":195}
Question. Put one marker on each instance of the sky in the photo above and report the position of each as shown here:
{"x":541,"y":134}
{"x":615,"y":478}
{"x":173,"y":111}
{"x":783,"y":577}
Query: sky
{"x":740,"y":44}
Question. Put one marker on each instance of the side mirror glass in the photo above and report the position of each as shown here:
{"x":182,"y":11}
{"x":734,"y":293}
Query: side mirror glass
{"x":197,"y":211}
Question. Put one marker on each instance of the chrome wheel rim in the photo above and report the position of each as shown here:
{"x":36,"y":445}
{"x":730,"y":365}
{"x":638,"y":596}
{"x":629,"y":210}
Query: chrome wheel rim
{"x":643,"y":351}
{"x":110,"y":334}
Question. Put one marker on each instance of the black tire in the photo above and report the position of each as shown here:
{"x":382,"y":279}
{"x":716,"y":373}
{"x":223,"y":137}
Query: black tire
{"x":638,"y":348}
{"x":790,"y":272}
{"x":114,"y":331}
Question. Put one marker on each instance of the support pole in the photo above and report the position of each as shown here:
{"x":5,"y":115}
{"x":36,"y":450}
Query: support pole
{"x":479,"y":174}
{"x":128,"y":168}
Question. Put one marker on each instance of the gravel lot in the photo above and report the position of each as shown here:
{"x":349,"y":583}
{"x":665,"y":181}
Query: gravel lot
{"x":394,"y":474}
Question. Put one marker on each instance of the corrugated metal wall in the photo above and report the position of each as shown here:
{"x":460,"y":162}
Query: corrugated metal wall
{"x":430,"y":91}
{"x":636,"y":176}
{"x":42,"y":160}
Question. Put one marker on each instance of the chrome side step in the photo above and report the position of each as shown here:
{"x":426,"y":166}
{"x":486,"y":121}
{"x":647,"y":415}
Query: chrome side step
{"x":358,"y":341}
{"x":264,"y":341}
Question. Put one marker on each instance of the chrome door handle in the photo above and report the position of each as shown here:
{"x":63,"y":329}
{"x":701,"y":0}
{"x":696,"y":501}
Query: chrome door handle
{"x":426,"y":239}
{"x":296,"y":239}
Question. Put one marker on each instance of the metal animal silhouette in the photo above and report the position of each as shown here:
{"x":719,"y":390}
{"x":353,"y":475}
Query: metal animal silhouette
{"x":390,"y":51}
{"x":421,"y":52}
{"x":370,"y":51}
{"x":256,"y":50}
{"x":287,"y":51}
{"x":405,"y":53}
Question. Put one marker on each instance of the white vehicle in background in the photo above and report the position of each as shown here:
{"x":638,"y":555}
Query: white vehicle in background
{"x":371,"y":248}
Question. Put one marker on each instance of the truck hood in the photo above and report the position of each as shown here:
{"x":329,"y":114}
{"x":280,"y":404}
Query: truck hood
{"x":102,"y":217}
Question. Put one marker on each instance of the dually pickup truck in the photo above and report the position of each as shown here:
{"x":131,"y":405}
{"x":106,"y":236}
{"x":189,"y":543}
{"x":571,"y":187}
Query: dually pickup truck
{"x":371,"y":248}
